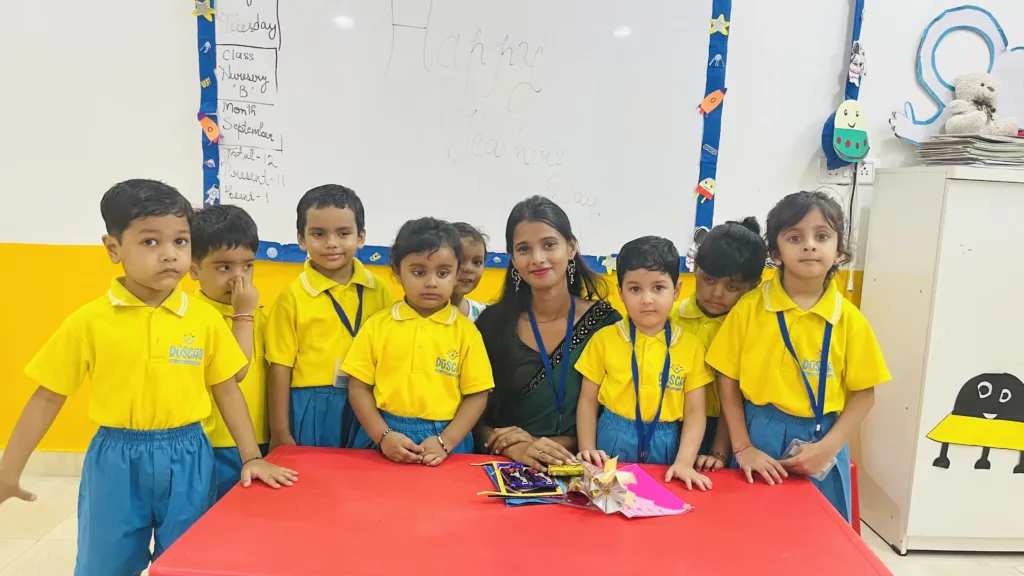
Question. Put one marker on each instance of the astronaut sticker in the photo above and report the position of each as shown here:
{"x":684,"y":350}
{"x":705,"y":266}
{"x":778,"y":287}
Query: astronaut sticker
{"x":988,"y":413}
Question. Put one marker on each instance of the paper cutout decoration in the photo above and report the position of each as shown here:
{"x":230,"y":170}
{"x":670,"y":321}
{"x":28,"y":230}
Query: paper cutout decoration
{"x":988,"y":413}
{"x":720,"y":25}
{"x":850,"y":137}
{"x":716,"y":61}
{"x":711,"y":102}
{"x":514,"y":480}
{"x":271,"y":252}
{"x":609,"y":264}
{"x":1005,"y":63}
{"x":212,"y":195}
{"x":691,"y":253}
{"x":210,"y":128}
{"x":599,"y":488}
{"x":652,"y":498}
{"x":204,"y":10}
{"x":210,"y":163}
{"x":858,"y":64}
{"x":706,"y":189}
{"x":206,"y":47}
{"x":375,"y":256}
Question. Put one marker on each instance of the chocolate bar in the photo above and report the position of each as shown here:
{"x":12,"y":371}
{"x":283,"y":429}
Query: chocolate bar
{"x":539,"y":479}
{"x":562,"y":470}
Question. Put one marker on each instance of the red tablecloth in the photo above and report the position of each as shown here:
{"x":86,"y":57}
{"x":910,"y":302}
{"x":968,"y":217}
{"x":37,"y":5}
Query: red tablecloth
{"x":352,"y":512}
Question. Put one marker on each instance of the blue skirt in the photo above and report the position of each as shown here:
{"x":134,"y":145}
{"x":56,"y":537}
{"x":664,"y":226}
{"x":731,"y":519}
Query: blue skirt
{"x":137,"y":485}
{"x":617,"y":437}
{"x":417,"y":429}
{"x":771,"y":430}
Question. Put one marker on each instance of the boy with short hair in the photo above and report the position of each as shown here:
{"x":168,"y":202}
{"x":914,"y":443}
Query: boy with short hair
{"x":151,"y":353}
{"x":314,"y":321}
{"x":729,"y":263}
{"x":647,"y":374}
{"x":224,"y":245}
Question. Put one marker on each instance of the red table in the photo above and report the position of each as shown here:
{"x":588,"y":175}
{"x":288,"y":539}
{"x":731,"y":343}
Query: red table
{"x":352,"y":512}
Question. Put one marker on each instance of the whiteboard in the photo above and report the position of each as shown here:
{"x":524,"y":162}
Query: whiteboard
{"x":459,"y":109}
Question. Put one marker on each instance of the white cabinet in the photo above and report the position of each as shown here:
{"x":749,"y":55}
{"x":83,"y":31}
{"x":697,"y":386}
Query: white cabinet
{"x":944,"y":292}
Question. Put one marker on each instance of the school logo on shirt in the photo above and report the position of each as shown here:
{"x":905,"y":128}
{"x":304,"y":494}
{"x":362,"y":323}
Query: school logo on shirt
{"x":814,"y":366}
{"x":186,"y":354}
{"x":448,"y":364}
{"x":676,"y":377}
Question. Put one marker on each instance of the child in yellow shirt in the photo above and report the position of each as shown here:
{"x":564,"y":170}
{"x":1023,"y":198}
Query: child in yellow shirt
{"x":797,"y":361}
{"x":224,"y":245}
{"x":728,"y":264}
{"x":643,"y":375}
{"x":316,"y":318}
{"x":153,"y":356}
{"x":419,"y":372}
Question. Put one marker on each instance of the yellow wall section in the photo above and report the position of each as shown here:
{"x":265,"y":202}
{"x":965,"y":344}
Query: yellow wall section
{"x":43,"y":284}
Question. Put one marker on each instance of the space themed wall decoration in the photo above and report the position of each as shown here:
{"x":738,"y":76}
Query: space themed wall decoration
{"x":988,"y":413}
{"x":844,"y":138}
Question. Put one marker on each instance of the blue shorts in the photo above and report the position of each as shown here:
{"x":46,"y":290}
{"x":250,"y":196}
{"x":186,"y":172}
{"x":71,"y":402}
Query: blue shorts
{"x":771,"y":430}
{"x":617,"y":437}
{"x":417,"y":429}
{"x":138,"y":484}
{"x":229,"y":468}
{"x":318,"y":417}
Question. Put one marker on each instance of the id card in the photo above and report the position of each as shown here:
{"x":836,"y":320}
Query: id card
{"x":340,"y":378}
{"x":794,"y":448}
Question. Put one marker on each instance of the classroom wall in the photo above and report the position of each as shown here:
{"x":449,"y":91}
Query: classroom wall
{"x":83,"y":113}
{"x":51,"y":301}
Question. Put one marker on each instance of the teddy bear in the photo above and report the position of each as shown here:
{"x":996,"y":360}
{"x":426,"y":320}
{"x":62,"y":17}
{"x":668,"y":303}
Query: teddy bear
{"x":974,"y":109}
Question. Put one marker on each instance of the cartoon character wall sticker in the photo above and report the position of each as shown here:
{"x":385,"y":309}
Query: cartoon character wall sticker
{"x":988,"y":413}
{"x":1005,"y":64}
{"x":691,"y":253}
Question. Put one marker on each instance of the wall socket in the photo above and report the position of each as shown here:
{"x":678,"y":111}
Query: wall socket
{"x":844,"y":175}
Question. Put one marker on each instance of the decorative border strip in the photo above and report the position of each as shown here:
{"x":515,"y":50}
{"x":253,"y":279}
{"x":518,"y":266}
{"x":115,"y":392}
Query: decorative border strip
{"x":206,"y":28}
{"x":718,"y":57}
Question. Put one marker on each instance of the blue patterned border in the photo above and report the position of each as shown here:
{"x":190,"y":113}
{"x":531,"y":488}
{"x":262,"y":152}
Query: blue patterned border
{"x":718,"y":57}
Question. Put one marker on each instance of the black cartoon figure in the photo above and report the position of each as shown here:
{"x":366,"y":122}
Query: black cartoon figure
{"x":988,"y":413}
{"x":691,"y":254}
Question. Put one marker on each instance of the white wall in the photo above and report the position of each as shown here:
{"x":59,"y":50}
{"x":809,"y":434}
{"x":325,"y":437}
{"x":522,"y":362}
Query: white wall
{"x":95,"y":95}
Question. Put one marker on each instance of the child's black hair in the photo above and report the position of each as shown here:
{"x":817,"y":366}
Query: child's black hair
{"x":734,"y":249}
{"x":469,"y":231}
{"x":222,"y":227}
{"x":792,"y":209}
{"x":425,"y":235}
{"x":651,"y":253}
{"x":132,"y":200}
{"x":329,"y":196}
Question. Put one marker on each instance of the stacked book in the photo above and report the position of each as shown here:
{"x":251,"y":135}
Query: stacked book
{"x":973,"y":150}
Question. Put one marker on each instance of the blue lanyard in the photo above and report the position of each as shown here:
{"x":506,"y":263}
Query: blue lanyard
{"x":341,"y":312}
{"x":817,"y":406}
{"x":560,"y":388}
{"x":645,"y":433}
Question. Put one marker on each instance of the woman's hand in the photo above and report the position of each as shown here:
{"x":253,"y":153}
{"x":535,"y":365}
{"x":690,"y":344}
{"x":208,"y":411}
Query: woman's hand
{"x":539,"y":453}
{"x":502,"y":438}
{"x":752,"y":460}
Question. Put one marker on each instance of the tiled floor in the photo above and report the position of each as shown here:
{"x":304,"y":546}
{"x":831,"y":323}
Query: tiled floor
{"x":38,"y":539}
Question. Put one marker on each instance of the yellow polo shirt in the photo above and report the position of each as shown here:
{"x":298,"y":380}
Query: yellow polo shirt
{"x":151,"y":368}
{"x":749,"y":348}
{"x":420,"y":367}
{"x":304,"y":331}
{"x":688,"y":316}
{"x":607,"y":362}
{"x":254,"y":386}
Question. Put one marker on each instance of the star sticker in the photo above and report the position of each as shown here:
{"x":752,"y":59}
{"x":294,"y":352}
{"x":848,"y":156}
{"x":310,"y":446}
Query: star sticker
{"x":718,"y":25}
{"x":204,"y":9}
{"x":609,"y":264}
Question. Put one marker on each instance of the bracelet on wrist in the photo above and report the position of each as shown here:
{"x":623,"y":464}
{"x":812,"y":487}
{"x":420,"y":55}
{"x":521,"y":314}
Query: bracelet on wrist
{"x":242,"y":317}
{"x":443,"y":445}
{"x":737,"y":453}
{"x":384,"y":435}
{"x":719,"y":456}
{"x":251,"y":459}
